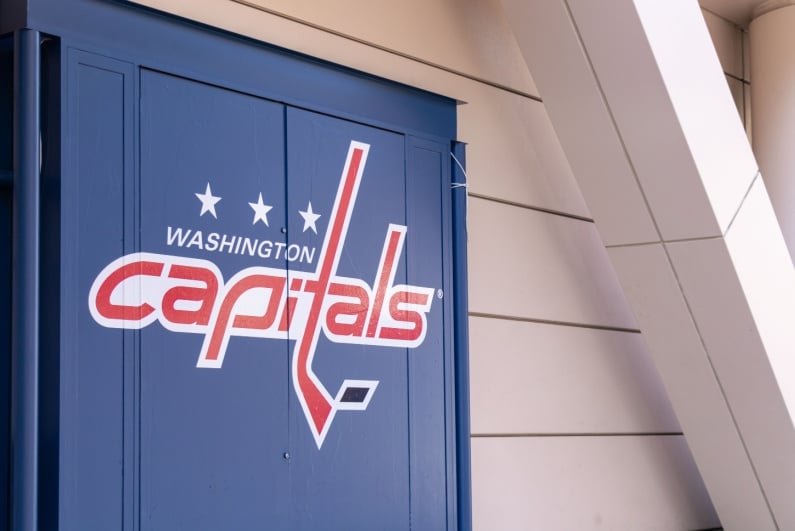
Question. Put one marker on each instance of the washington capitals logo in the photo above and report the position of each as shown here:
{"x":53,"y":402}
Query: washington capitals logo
{"x":189,"y":295}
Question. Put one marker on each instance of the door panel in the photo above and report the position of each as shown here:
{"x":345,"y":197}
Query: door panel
{"x":281,"y":276}
{"x":94,"y":372}
{"x":427,"y":163}
{"x":212,"y":438}
{"x":359,"y":476}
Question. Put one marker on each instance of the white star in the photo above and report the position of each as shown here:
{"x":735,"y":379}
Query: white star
{"x":309,"y":218}
{"x":208,"y":201}
{"x":260,"y":211}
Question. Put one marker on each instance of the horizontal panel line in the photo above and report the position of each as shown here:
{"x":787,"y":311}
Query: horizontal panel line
{"x":701,"y":239}
{"x":387,"y":50}
{"x":555,"y":323}
{"x":737,"y":78}
{"x":639,"y":244}
{"x":682,"y":240}
{"x":548,"y":435}
{"x":529,"y":207}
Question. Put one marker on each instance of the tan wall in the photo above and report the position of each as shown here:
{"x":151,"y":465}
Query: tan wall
{"x":571,"y":428}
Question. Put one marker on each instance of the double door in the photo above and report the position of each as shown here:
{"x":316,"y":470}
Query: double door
{"x":264,"y":345}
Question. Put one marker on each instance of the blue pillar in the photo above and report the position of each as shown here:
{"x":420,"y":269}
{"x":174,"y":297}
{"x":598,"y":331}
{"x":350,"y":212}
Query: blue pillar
{"x":25,"y":284}
{"x":461,"y":336}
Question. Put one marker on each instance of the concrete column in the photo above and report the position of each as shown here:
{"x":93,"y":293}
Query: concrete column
{"x":772,"y":33}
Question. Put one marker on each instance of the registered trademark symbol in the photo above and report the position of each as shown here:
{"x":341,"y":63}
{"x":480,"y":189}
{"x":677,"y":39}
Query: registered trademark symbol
{"x":439,"y":293}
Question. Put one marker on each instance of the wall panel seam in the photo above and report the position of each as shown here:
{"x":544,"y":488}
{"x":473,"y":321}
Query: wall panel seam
{"x":508,"y":202}
{"x":676,"y":240}
{"x":612,"y":118}
{"x":737,"y":78}
{"x":554,"y":322}
{"x":718,"y":381}
{"x":742,"y":203}
{"x":386,"y":49}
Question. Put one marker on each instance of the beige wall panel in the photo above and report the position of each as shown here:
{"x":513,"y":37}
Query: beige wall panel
{"x":566,"y":483}
{"x":513,"y":153}
{"x":582,"y":121}
{"x":532,"y":378}
{"x":728,"y":41}
{"x":738,"y":95}
{"x":660,"y":87}
{"x":469,"y":36}
{"x":292,"y":35}
{"x":768,"y":282}
{"x":749,"y":130}
{"x":530,"y":264}
{"x":693,"y":387}
{"x":736,"y":350}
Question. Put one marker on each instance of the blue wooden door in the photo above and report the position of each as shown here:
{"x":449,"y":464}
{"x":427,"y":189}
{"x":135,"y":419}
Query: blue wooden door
{"x":368,"y":432}
{"x":351,"y":459}
{"x":280,"y":278}
{"x":212,"y":438}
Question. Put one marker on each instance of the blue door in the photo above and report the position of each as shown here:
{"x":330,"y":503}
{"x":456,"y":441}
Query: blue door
{"x":212,"y":439}
{"x":375,"y":456}
{"x":349,"y":422}
{"x":262,"y":333}
{"x":271,"y":304}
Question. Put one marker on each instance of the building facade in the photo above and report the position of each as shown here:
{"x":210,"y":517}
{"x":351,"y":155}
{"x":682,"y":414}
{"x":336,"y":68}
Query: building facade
{"x":628,"y":282}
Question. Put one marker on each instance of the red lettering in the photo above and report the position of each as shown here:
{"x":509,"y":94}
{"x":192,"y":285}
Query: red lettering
{"x":386,"y":268}
{"x":287,"y":314}
{"x":357,"y":310}
{"x":107,"y":309}
{"x":405,"y":298}
{"x":258,"y":322}
{"x":289,"y":308}
{"x":205,"y":295}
